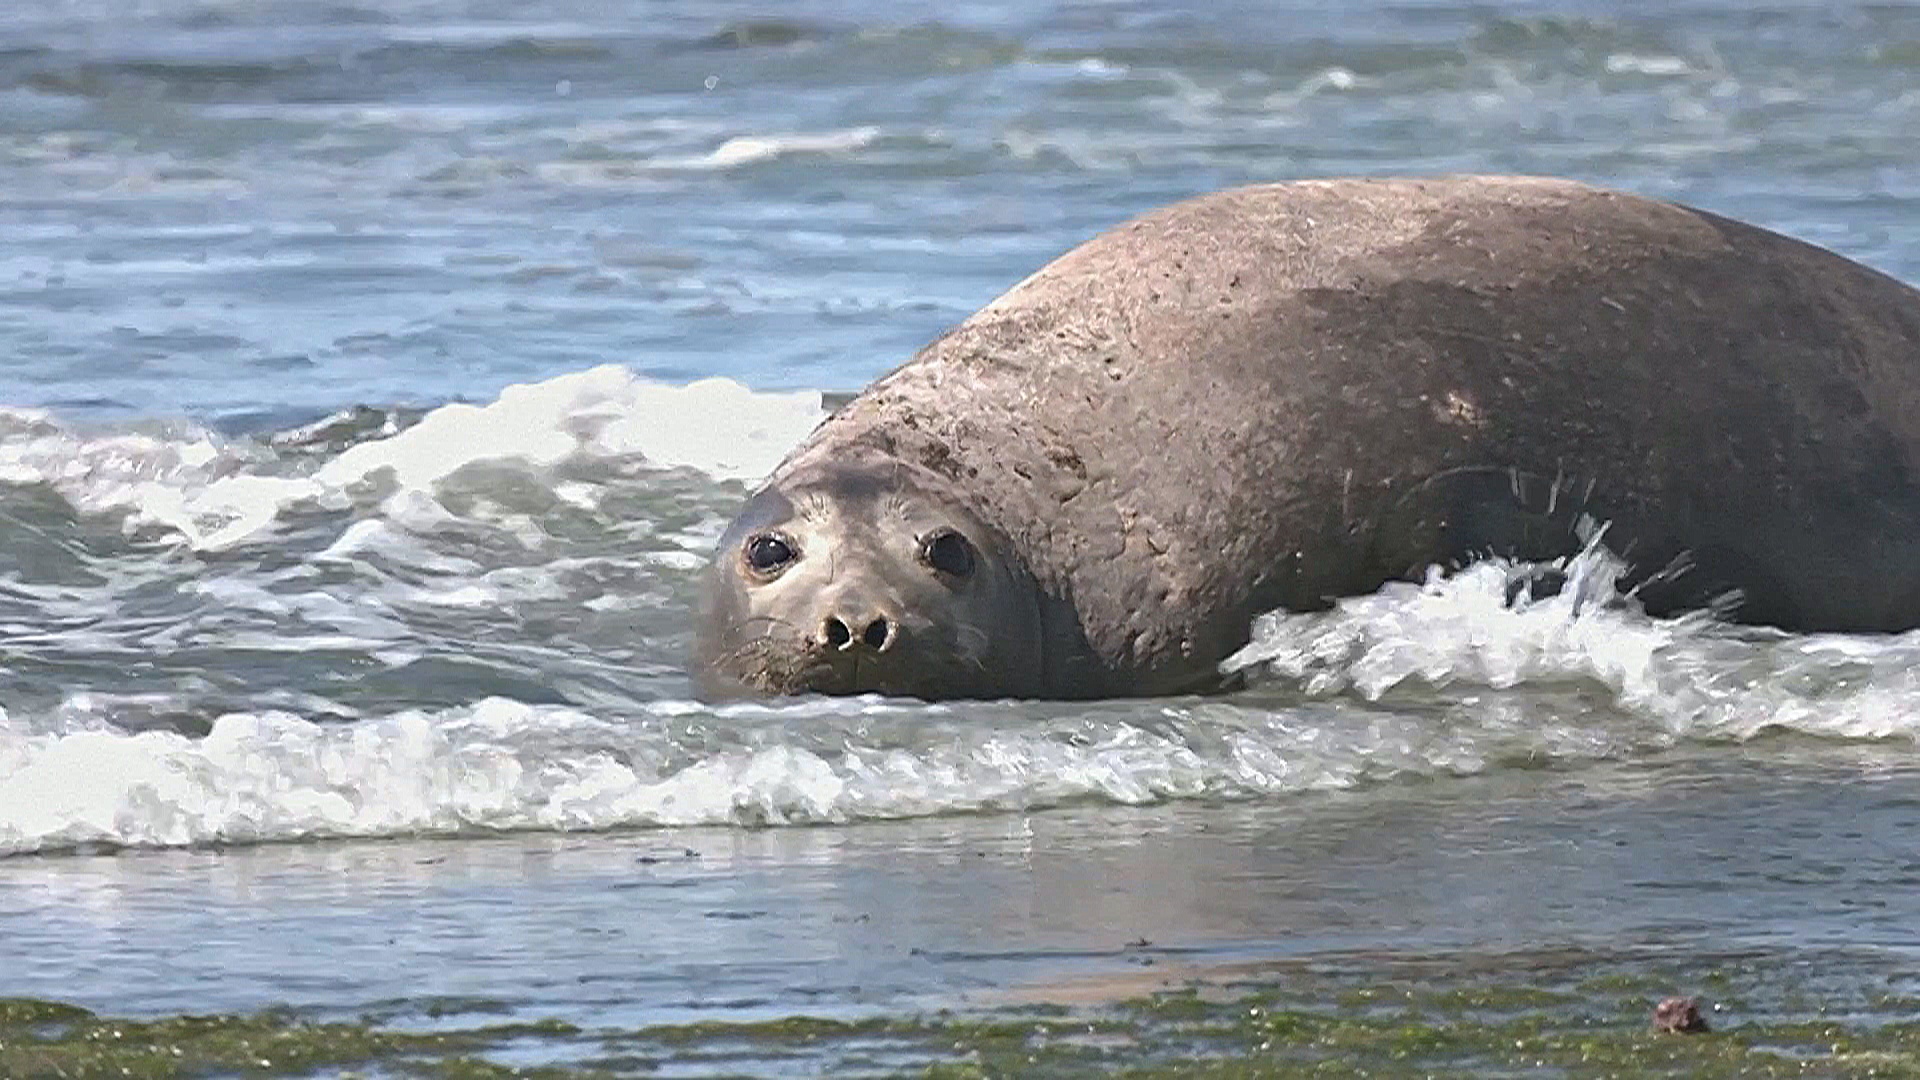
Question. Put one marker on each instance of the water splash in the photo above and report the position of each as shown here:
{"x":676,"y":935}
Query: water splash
{"x":1691,"y":677}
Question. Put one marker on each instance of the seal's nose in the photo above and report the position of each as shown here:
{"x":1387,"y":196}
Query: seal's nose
{"x":876,"y":633}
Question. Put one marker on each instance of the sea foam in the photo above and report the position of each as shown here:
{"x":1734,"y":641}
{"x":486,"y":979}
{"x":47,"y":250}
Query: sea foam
{"x":1691,"y":677}
{"x":217,"y":493}
{"x":1438,"y":679}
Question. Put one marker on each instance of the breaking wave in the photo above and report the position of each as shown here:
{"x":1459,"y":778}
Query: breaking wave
{"x":217,"y":493}
{"x":1437,"y":679}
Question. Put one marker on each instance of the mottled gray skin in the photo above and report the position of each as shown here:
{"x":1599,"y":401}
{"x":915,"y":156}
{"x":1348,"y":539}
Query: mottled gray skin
{"x":1275,"y":396}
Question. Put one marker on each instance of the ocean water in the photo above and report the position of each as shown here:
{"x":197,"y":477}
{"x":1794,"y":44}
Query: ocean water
{"x":378,"y":375}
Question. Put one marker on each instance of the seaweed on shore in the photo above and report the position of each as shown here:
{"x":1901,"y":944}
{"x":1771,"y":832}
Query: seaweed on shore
{"x":1576,"y":1020}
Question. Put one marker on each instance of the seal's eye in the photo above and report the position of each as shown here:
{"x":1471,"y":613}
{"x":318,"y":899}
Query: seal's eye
{"x":948,"y":552}
{"x":769,"y":552}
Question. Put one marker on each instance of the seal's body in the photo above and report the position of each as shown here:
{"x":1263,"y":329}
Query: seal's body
{"x":1274,"y":396}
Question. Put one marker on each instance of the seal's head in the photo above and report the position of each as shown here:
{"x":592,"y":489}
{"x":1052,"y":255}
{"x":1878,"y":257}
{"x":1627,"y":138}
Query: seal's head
{"x":866,"y":578}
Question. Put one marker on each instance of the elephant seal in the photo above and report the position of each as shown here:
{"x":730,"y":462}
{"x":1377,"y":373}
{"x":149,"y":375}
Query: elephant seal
{"x":1278,"y":395}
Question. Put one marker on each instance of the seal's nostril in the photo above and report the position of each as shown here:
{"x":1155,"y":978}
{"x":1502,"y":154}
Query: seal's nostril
{"x":878,"y":634}
{"x":835,"y":633}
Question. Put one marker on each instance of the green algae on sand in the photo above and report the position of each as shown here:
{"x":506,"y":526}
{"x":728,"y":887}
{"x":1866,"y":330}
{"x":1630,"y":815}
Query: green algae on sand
{"x":54,"y":1039}
{"x":1568,"y":1016}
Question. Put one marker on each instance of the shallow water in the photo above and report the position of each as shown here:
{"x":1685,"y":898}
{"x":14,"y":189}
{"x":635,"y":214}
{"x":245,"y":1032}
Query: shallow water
{"x":1789,"y":867}
{"x":380,"y":374}
{"x":1814,"y":846}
